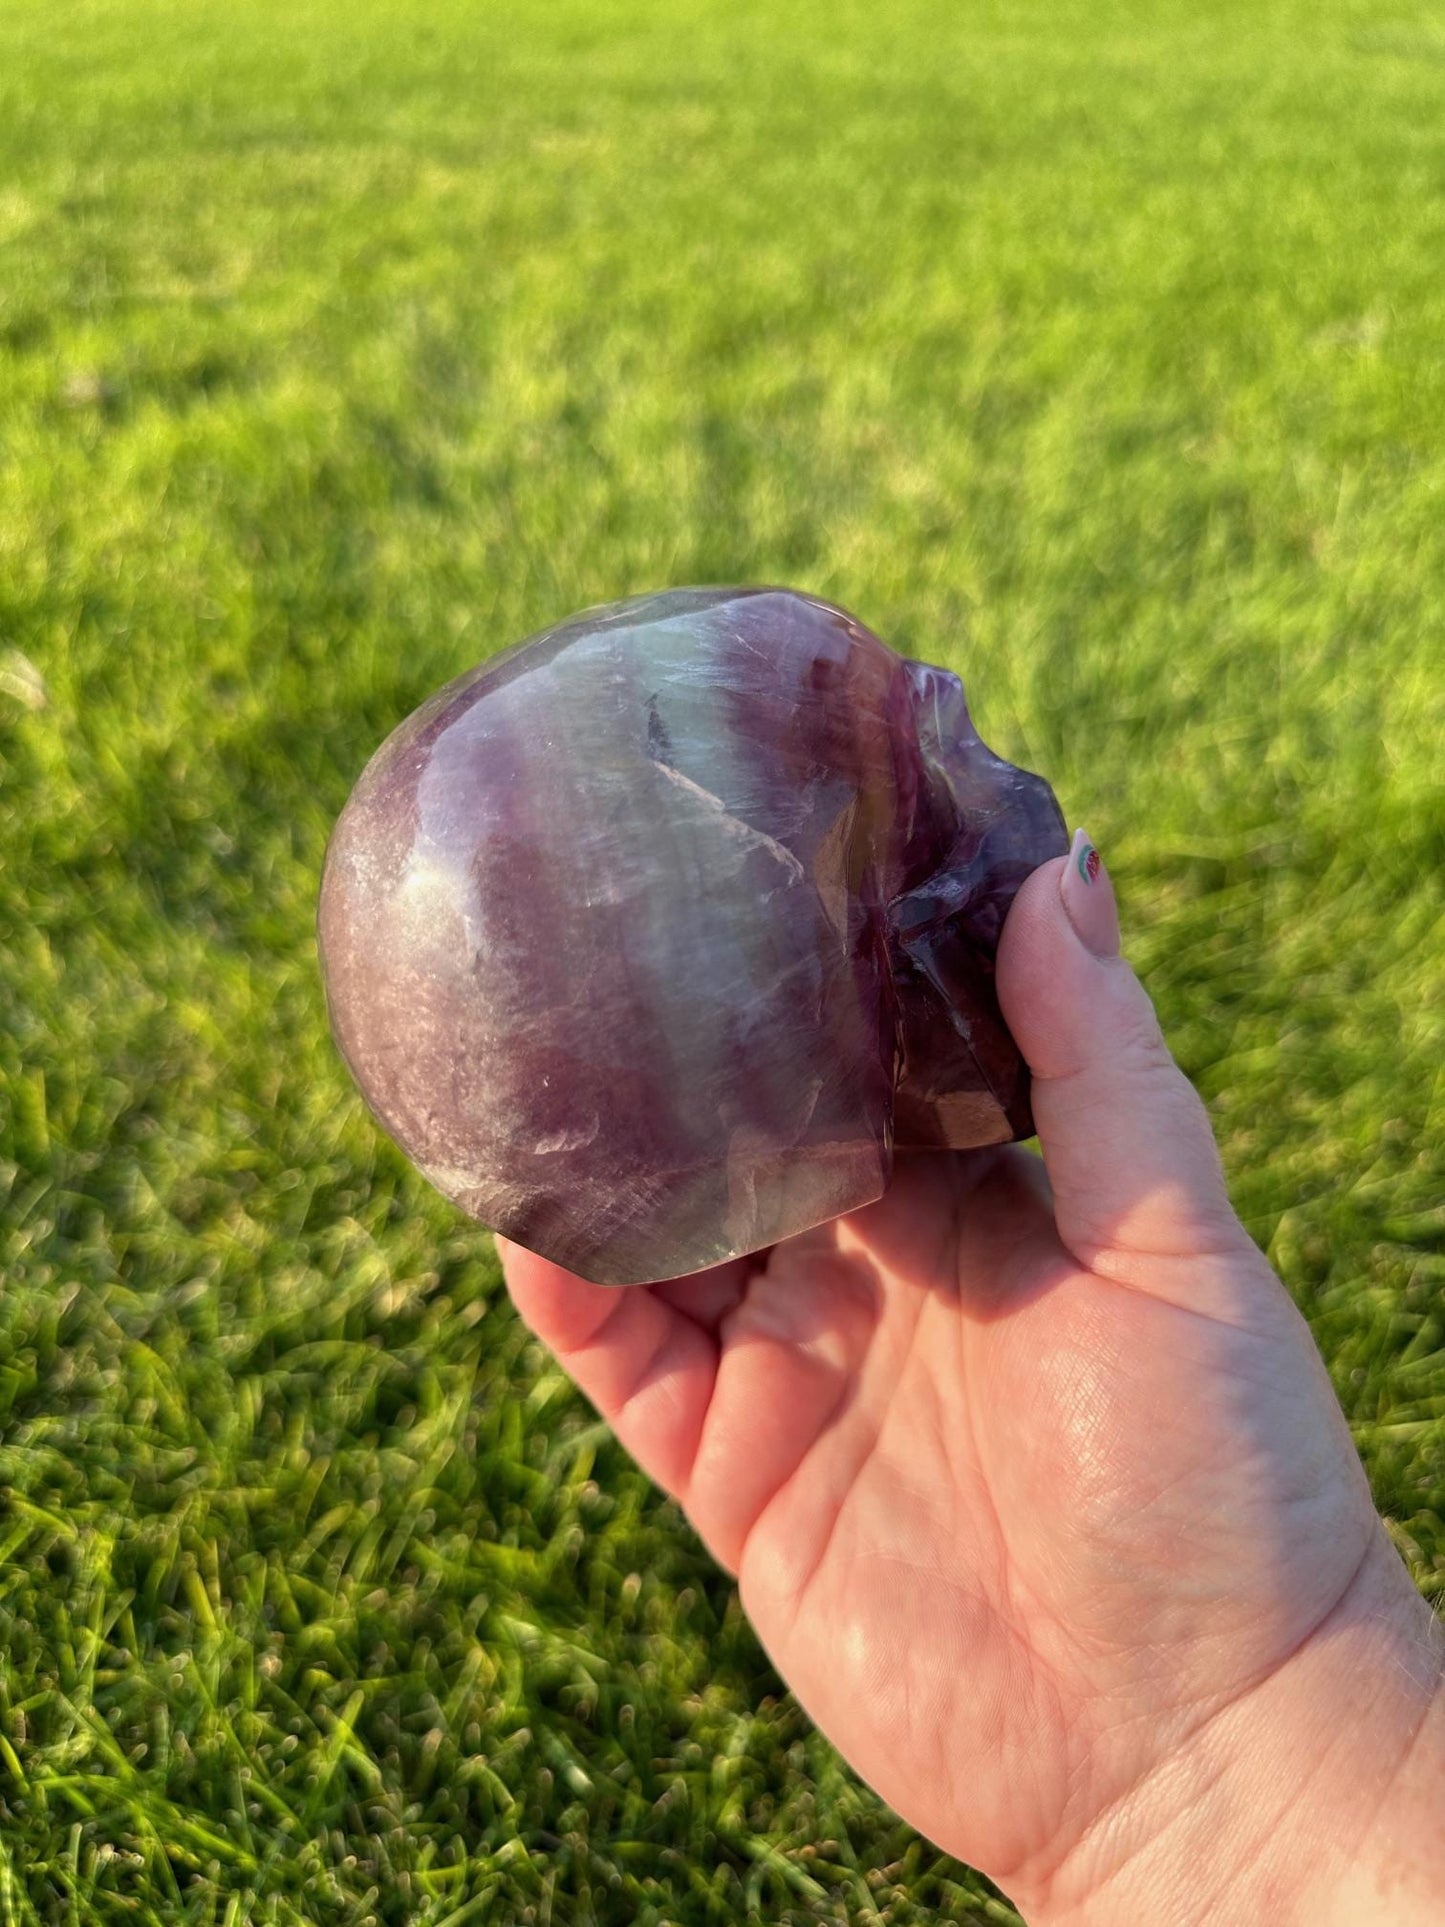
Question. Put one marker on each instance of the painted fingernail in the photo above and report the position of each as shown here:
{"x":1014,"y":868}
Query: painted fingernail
{"x":1089,"y":898}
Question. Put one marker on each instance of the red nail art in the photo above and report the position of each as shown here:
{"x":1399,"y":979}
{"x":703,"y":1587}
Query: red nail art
{"x":1089,"y":863}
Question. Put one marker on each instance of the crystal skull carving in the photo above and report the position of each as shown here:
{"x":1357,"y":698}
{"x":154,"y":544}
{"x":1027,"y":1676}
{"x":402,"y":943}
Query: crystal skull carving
{"x":650,"y":939}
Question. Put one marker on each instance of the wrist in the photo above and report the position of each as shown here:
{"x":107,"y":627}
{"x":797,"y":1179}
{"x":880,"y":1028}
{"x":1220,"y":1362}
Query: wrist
{"x":1397,"y":1875}
{"x":1318,"y":1796}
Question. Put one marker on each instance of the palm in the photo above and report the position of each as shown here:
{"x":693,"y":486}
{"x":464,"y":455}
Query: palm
{"x":987,"y":1508}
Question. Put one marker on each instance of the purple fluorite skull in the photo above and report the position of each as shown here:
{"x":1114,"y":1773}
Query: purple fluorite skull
{"x":651,"y":938}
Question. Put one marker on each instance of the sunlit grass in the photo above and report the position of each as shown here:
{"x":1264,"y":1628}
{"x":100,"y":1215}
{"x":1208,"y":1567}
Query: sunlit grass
{"x":1095,"y":350}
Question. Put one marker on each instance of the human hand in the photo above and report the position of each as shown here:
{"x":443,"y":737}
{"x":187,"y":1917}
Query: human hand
{"x":1039,"y":1497}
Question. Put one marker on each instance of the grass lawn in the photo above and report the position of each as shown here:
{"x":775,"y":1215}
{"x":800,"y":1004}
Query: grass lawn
{"x":1092,"y":348}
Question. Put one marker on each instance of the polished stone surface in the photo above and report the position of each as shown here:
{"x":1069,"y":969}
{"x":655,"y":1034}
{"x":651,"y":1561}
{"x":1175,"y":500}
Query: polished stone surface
{"x":649,"y":939}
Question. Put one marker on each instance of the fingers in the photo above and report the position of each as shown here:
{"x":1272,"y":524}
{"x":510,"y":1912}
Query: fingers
{"x":708,"y":1296}
{"x":647,"y":1366}
{"x":1128,"y":1146}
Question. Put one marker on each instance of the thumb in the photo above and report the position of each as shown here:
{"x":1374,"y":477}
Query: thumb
{"x":1126,"y":1140}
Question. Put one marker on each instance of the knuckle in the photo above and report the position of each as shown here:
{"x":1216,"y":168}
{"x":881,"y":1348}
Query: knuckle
{"x":1142,"y":1046}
